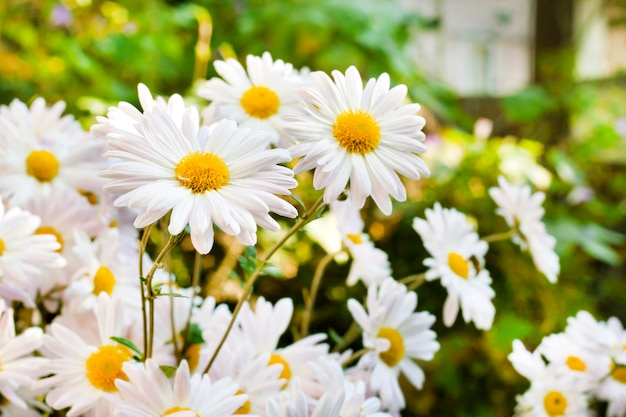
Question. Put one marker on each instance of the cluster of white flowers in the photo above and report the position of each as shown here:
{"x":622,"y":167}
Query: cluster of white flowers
{"x":72,"y":202}
{"x":569,"y":370}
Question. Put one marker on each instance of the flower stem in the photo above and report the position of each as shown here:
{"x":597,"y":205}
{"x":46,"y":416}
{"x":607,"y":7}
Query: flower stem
{"x":302,"y":221}
{"x":142,"y":248}
{"x":310,"y":300}
{"x":499,"y":236}
{"x":171,"y":242}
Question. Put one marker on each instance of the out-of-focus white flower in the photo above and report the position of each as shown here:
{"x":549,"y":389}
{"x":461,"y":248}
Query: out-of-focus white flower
{"x":43,"y":151}
{"x":523,"y":212}
{"x":458,"y":258}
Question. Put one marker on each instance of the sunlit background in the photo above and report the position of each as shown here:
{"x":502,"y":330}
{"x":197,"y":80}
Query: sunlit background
{"x":532,"y":89}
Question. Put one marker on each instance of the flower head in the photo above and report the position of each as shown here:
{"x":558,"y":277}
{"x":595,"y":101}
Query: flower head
{"x":397,"y":335}
{"x":457,"y":258}
{"x":221,"y":175}
{"x":363,"y":135}
{"x":523,"y":212}
{"x":257,"y":98}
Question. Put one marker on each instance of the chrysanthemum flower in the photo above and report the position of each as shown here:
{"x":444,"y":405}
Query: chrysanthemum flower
{"x":362,"y":135}
{"x":551,"y":393}
{"x":458,"y":258}
{"x":19,"y":366}
{"x":396,"y":335}
{"x":147,"y":392}
{"x":294,"y":403}
{"x":83,"y":373}
{"x":523,"y":212}
{"x":262,"y":328}
{"x":259,"y":98}
{"x":24,"y":253}
{"x":42,"y":151}
{"x":369,"y":264}
{"x":218,"y":175}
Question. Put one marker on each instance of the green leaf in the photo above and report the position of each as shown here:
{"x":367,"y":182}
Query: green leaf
{"x":528,"y":105}
{"x":169,"y":371}
{"x":128,"y":344}
{"x":195,"y":334}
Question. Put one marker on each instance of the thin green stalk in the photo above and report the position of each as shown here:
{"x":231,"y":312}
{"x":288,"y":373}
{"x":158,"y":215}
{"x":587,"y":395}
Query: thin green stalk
{"x":356,"y":355}
{"x":195,"y":280}
{"x":306,"y":218}
{"x":171,"y":242}
{"x":350,"y":336}
{"x":142,"y":248}
{"x":310,"y":301}
{"x":499,"y":236}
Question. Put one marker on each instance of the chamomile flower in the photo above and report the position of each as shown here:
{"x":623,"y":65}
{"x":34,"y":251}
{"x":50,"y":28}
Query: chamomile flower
{"x":19,"y":366}
{"x":24,"y":254}
{"x":220,"y":175}
{"x":42,"y":151}
{"x":103,"y":269}
{"x":522,"y":211}
{"x":551,"y":393}
{"x":258,"y":96}
{"x":147,"y":392}
{"x":83,"y":374}
{"x":361,"y":135}
{"x":457,"y":259}
{"x":553,"y":396}
{"x":369,"y":264}
{"x":262,"y":328}
{"x":574,"y":361}
{"x":294,"y":403}
{"x":396,"y":336}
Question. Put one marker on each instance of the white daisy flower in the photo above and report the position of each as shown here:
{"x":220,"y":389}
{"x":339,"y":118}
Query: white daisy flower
{"x":218,"y":175}
{"x":262,"y":328}
{"x":355,"y":402}
{"x":147,"y":392}
{"x":258,"y":98}
{"x":572,"y":360}
{"x":42,"y":151}
{"x":396,"y":335}
{"x":294,"y":403}
{"x":24,"y":254}
{"x":83,"y":373}
{"x":103,"y":269}
{"x":19,"y":366}
{"x":612,"y":388}
{"x":369,"y":264}
{"x":458,"y":257}
{"x":551,"y":393}
{"x":251,"y":373}
{"x":523,"y":212}
{"x":362,"y":135}
{"x":553,"y":396}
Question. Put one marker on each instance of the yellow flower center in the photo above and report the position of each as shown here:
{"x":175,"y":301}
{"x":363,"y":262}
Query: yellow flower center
{"x":458,"y":265}
{"x":192,"y":355}
{"x":42,"y":165}
{"x":49,"y":230}
{"x":245,"y":407}
{"x":575,"y":363}
{"x":355,"y":238}
{"x":260,"y":102}
{"x":103,"y":280}
{"x":2,"y":247}
{"x":286,"y":372}
{"x":92,"y":198}
{"x":395,"y":353}
{"x":176,"y":410}
{"x":619,"y":374}
{"x":554,"y":403}
{"x":202,"y":171}
{"x":105,"y":366}
{"x":356,"y":131}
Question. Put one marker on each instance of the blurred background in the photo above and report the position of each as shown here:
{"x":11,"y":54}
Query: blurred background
{"x":531,"y":89}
